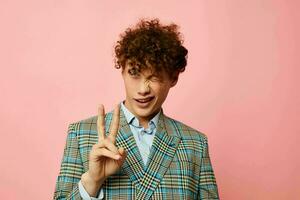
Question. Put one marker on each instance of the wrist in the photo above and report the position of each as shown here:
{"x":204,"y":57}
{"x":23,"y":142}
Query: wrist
{"x":91,"y":186}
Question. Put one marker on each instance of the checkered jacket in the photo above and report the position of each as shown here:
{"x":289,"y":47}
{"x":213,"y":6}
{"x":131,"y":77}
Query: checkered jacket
{"x":178,"y":166}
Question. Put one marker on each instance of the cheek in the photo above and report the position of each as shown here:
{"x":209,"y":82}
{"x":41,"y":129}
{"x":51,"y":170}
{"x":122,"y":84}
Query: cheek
{"x":130,"y":86}
{"x":161,"y":92}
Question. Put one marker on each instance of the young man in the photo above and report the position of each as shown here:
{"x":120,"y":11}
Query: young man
{"x":136,"y":151}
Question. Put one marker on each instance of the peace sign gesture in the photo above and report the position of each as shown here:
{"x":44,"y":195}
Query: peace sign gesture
{"x":105,"y":158}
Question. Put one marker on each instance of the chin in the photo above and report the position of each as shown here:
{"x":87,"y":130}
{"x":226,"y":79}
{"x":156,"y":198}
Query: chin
{"x":143,"y":112}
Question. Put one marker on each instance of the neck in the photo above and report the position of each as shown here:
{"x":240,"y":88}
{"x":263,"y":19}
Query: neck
{"x":143,"y":121}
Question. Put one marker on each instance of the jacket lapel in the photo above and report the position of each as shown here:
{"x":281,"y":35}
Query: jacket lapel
{"x":133,"y":165}
{"x":163,"y":149}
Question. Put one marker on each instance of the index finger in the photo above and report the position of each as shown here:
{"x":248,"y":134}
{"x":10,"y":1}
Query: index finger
{"x":100,"y":123}
{"x":113,"y":131}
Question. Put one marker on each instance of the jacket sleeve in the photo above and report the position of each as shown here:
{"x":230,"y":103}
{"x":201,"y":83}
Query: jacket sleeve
{"x":71,"y":168}
{"x":207,"y":184}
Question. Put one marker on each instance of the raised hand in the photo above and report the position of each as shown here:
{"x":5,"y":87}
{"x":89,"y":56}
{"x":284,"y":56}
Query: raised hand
{"x":105,"y":159}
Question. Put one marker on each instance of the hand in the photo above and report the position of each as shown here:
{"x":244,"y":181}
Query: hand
{"x":105,"y":158}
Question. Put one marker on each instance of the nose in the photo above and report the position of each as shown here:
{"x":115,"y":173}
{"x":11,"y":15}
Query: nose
{"x":144,"y":88}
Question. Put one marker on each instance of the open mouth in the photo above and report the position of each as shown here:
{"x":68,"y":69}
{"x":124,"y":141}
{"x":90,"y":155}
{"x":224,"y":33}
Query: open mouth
{"x":144,"y":102}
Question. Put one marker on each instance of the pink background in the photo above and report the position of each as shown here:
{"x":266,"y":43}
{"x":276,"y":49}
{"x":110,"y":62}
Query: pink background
{"x":241,"y":86}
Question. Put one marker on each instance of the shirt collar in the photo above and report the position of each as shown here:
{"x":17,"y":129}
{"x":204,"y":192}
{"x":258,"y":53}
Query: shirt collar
{"x":133,"y":120}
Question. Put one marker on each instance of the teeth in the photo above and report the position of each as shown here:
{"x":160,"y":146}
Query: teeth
{"x":144,"y":100}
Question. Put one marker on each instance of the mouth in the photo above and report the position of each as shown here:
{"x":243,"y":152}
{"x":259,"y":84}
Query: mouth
{"x":144,"y":102}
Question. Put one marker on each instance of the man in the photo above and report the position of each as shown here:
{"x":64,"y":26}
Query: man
{"x":136,"y":151}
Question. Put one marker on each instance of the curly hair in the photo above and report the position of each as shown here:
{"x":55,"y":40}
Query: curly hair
{"x":152,"y":45}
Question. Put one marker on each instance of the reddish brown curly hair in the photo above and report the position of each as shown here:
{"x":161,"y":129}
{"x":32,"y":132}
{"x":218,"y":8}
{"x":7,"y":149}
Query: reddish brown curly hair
{"x":152,"y":45}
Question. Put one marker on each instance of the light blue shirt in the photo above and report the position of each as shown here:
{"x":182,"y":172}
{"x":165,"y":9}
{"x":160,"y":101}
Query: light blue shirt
{"x":143,"y":137}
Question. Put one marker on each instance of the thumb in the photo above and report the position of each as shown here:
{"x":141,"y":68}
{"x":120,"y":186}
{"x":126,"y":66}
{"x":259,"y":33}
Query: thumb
{"x":122,"y":152}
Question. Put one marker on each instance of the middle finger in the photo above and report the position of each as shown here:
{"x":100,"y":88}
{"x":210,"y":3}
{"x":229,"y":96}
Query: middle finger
{"x":113,"y":131}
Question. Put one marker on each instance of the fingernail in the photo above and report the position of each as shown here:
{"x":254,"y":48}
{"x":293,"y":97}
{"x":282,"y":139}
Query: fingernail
{"x":118,"y":157}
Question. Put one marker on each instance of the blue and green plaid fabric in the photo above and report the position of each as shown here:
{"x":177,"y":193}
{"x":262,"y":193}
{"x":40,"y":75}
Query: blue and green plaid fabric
{"x":179,"y":166}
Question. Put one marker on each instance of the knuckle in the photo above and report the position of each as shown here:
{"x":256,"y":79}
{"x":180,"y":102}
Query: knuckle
{"x":109,"y":138}
{"x":104,"y":141}
{"x":98,"y":151}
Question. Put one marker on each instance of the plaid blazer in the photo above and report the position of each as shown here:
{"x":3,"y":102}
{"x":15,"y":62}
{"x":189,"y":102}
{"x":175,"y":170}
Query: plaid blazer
{"x":178,"y":166}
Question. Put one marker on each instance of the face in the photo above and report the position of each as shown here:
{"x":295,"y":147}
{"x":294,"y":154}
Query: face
{"x":145,"y":91}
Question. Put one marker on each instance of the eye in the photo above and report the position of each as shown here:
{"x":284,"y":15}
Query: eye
{"x":133,"y":72}
{"x":155,"y":78}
